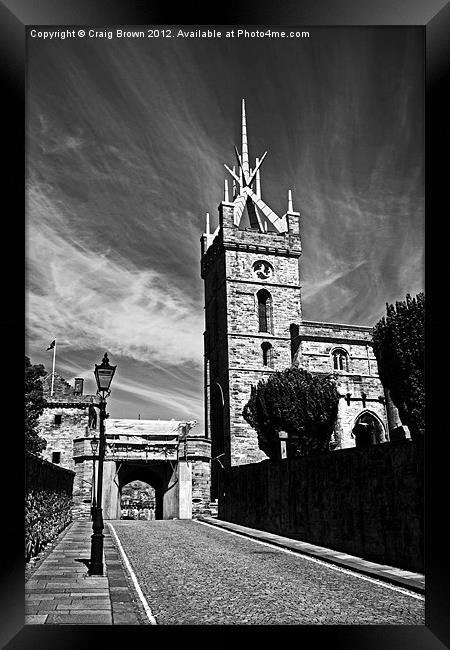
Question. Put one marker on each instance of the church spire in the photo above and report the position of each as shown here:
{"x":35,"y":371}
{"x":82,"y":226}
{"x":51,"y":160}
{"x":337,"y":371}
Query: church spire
{"x":245,"y":196}
{"x":245,"y":167}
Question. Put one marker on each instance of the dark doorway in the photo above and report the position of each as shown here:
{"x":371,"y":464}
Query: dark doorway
{"x":368,"y":430}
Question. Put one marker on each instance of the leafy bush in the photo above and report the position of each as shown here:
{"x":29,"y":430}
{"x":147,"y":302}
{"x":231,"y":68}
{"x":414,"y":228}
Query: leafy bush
{"x":399,"y":347}
{"x":34,"y":406}
{"x":46,"y":515}
{"x":297,"y":402}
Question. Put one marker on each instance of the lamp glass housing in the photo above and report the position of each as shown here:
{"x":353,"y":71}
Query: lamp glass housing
{"x":94,"y":445}
{"x":104,"y":374}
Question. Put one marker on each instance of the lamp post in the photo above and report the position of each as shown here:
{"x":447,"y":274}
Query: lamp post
{"x":103,"y":376}
{"x":94,"y":447}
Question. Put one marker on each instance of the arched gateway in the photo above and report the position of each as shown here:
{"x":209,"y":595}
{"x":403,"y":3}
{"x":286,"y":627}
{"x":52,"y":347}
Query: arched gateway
{"x":163,"y":453}
{"x":169,"y":455}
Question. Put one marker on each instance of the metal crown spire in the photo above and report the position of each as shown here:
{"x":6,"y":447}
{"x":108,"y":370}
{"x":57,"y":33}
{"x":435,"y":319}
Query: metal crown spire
{"x":246,"y":196}
{"x":245,"y":167}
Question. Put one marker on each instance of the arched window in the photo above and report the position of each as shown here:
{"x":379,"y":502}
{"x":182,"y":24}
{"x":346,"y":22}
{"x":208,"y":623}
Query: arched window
{"x":340,"y":359}
{"x":267,"y":351}
{"x":264,"y":310}
{"x":368,"y":430}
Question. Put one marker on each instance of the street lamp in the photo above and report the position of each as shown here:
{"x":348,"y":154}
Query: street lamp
{"x":94,"y":447}
{"x":103,"y":376}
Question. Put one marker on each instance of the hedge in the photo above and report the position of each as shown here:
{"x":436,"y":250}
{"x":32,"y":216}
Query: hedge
{"x":48,"y":503}
{"x":46,"y":515}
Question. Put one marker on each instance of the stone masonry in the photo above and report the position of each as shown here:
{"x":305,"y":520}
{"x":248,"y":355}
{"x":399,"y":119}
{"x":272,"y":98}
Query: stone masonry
{"x":233,"y":353}
{"x":359,"y":386}
{"x":233,"y":341}
{"x":240,"y":349}
{"x":66,"y":419}
{"x":68,"y":429}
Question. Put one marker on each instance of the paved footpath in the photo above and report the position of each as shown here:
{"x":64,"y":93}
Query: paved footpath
{"x":59,"y":590}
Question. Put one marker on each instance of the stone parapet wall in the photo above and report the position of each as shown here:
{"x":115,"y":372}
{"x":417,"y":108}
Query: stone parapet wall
{"x":198,"y":447}
{"x":288,"y":242}
{"x":317,"y":328}
{"x":272,"y":242}
{"x":365,"y":502}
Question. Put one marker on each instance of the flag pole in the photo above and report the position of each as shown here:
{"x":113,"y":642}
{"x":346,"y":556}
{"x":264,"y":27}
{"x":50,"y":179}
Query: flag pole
{"x":53,"y":372}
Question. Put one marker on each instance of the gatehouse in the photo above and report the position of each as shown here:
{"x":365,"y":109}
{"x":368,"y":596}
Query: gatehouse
{"x":169,"y":455}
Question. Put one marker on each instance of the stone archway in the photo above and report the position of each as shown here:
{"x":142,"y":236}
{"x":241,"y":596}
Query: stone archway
{"x":128,"y":472}
{"x":163,"y":453}
{"x":137,"y":501}
{"x":162,"y":475}
{"x":368,"y":430}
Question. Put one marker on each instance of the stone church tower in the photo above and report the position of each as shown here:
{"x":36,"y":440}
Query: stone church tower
{"x":254,"y":326}
{"x":250,"y":266}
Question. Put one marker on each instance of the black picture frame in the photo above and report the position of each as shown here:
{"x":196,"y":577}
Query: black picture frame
{"x":434,"y":17}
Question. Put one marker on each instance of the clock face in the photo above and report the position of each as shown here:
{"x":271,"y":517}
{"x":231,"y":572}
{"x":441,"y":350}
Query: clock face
{"x":262,"y":270}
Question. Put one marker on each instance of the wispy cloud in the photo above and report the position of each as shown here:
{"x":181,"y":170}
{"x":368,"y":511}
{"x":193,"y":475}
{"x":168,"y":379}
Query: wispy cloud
{"x":170,"y":398}
{"x":156,"y":391}
{"x":89,"y":298}
{"x":319,"y":284}
{"x":126,"y":145}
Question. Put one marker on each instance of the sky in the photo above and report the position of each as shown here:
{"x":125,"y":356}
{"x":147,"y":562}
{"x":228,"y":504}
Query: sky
{"x":126,"y":142}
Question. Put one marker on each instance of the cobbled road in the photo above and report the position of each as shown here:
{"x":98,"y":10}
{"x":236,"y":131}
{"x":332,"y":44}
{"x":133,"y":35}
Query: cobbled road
{"x":192,"y":574}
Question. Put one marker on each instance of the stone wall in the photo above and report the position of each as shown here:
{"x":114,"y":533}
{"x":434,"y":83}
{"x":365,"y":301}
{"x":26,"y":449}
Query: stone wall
{"x":82,"y":487}
{"x":198,"y":452}
{"x":232,"y":337}
{"x":72,"y":410}
{"x":48,"y":500}
{"x":70,"y":407}
{"x":71,"y":437}
{"x":233,"y":352}
{"x":74,"y":423}
{"x":40,"y":474}
{"x":359,"y":387}
{"x":365,"y":502}
{"x":201,"y":487}
{"x":243,"y":247}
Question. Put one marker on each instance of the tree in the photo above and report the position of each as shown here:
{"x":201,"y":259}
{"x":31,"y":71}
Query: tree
{"x":295,"y":401}
{"x":398,"y":344}
{"x":34,"y":407}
